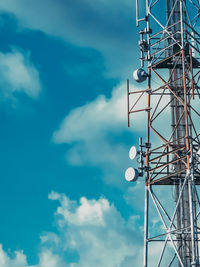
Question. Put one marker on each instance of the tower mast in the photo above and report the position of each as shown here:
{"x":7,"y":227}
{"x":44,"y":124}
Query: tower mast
{"x":170,"y":51}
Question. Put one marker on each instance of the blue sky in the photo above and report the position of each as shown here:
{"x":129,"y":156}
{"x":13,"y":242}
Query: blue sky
{"x":64,"y":138}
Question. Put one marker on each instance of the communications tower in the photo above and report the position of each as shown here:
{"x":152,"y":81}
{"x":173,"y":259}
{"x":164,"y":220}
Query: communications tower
{"x":170,"y":156}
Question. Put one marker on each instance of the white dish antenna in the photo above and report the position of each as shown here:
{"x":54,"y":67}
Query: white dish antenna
{"x":140,"y":75}
{"x":132,"y":152}
{"x":131,"y":174}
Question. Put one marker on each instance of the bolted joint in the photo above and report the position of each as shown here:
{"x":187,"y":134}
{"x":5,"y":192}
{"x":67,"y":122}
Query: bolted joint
{"x":141,"y":174}
{"x":148,"y":31}
{"x":148,"y":58}
{"x":143,"y":45}
{"x":148,"y":145}
{"x":146,"y":168}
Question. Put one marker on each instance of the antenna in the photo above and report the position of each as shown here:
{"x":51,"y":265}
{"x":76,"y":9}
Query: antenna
{"x":132,"y":152}
{"x":140,"y":75}
{"x":169,"y":159}
{"x":131,"y":174}
{"x":136,"y":7}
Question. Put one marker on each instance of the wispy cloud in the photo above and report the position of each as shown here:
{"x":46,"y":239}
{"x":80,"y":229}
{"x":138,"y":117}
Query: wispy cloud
{"x":18,"y":74}
{"x":107,"y":26}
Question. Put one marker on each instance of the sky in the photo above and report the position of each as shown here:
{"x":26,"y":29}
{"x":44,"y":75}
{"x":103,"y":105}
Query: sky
{"x":64,"y":142}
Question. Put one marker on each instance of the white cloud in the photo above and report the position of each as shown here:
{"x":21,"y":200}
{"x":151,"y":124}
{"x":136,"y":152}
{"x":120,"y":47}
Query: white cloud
{"x":18,"y":74}
{"x":49,"y":259}
{"x":94,"y":229}
{"x":46,"y":259}
{"x":89,"y":212}
{"x":90,"y":129}
{"x":106,"y":25}
{"x":91,"y":120}
{"x":19,"y":260}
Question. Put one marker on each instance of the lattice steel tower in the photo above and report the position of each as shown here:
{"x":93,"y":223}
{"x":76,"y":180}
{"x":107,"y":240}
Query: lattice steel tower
{"x":170,"y":157}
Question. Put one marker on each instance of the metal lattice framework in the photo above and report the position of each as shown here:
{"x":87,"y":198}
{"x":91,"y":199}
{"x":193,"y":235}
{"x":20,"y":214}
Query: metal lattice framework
{"x":170,"y":49}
